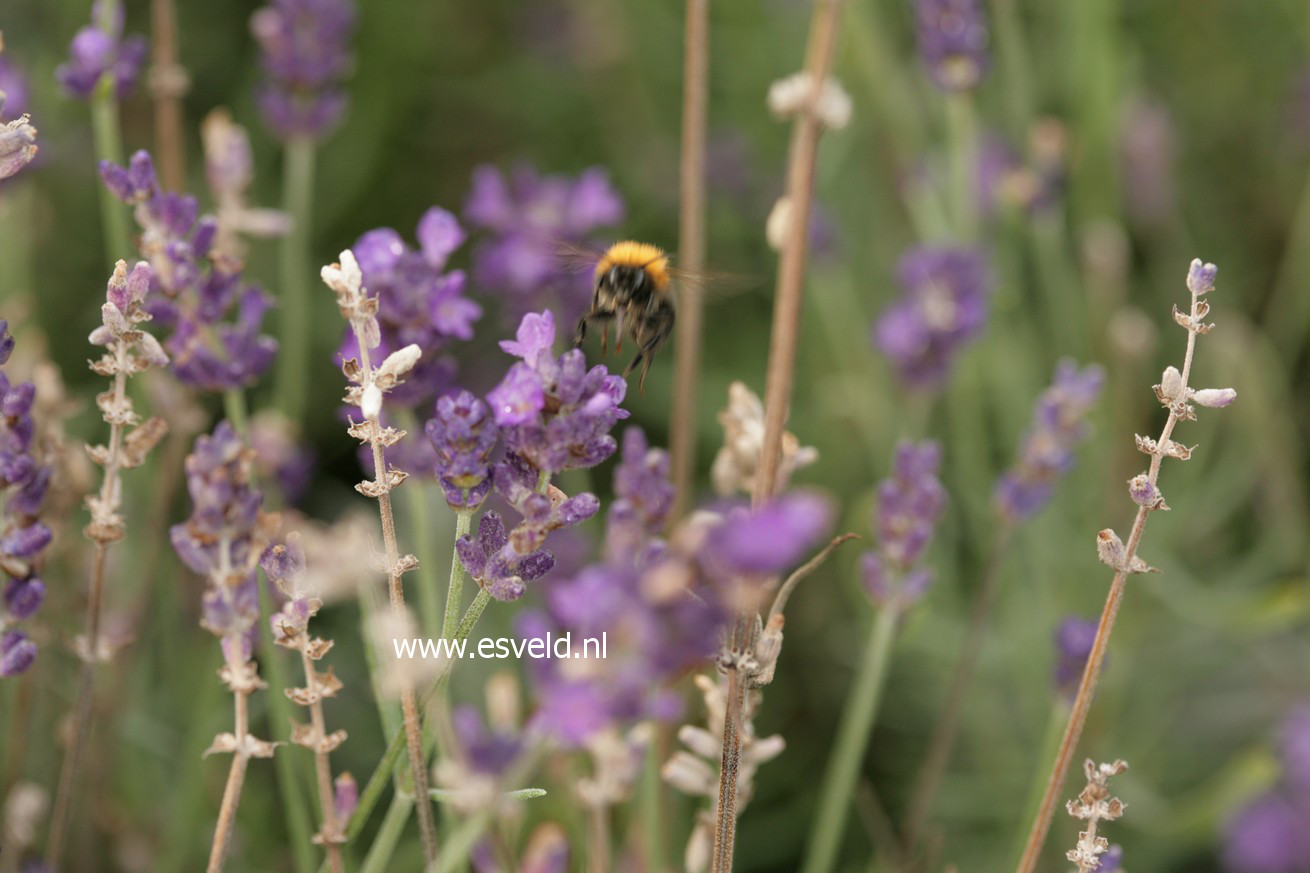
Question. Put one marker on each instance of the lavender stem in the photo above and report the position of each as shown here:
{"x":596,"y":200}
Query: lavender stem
{"x":691,"y":249}
{"x":293,"y":358}
{"x":852,"y":736}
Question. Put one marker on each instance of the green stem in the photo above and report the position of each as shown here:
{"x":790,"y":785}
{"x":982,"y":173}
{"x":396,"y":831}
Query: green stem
{"x":290,"y":787}
{"x":455,"y":591}
{"x":1013,"y":53}
{"x":377,"y":782}
{"x":962,"y":136}
{"x":384,"y":843}
{"x":651,"y":801}
{"x":852,"y":738}
{"x":1050,"y":746}
{"x":234,"y":407}
{"x":420,"y":516}
{"x":109,"y":147}
{"x":293,"y":358}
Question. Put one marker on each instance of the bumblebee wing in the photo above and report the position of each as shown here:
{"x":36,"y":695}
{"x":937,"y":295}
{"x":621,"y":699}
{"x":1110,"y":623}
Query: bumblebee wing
{"x":575,"y":258}
{"x":712,"y":284}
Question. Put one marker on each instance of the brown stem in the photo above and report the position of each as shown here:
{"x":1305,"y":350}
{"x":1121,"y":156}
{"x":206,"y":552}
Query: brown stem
{"x":168,"y":82}
{"x":791,"y":266}
{"x":322,"y":764}
{"x":948,"y":722}
{"x":82,"y":707}
{"x":396,"y":592}
{"x":598,"y":831}
{"x":691,"y":250}
{"x":236,"y":780}
{"x":1092,"y":672}
{"x":777,"y":395}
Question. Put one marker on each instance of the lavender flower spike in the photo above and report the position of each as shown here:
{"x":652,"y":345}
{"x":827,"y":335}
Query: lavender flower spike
{"x":943,"y":307}
{"x":909,"y":504}
{"x":100,"y":49}
{"x":463,"y":434}
{"x":952,"y":42}
{"x":25,"y":477}
{"x":304,"y":50}
{"x":223,"y":541}
{"x":1059,"y":423}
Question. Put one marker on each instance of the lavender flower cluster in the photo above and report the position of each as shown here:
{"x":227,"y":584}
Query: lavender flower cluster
{"x":662,"y":604}
{"x":528,"y":217}
{"x":419,"y":301}
{"x":1268,"y":834}
{"x":24,"y":478}
{"x":909,"y":503}
{"x":552,"y":414}
{"x":304,"y":51}
{"x":224,"y":539}
{"x":200,"y":288}
{"x":1059,"y":424}
{"x":952,"y":42}
{"x":100,"y":49}
{"x":942,"y":308}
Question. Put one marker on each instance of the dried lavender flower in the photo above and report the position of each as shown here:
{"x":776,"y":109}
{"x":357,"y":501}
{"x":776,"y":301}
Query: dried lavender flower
{"x":1093,"y":806}
{"x":18,"y":146}
{"x":910,"y":502}
{"x":305,"y":55}
{"x":284,"y":564}
{"x":1059,"y":424}
{"x":953,"y":42}
{"x":369,"y":384}
{"x":743,"y":437}
{"x":943,"y":307}
{"x":1176,"y":396}
{"x":100,"y":49}
{"x":527,"y":215}
{"x":229,"y":168}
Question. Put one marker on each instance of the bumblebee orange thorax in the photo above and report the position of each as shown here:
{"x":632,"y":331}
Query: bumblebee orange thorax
{"x":635,"y":254}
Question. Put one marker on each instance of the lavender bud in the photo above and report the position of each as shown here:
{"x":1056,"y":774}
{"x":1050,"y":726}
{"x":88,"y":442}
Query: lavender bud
{"x":23,"y":597}
{"x":6,"y":342}
{"x":1144,"y":492}
{"x":347,"y":797}
{"x":17,"y":653}
{"x":26,"y":542}
{"x":17,"y":146}
{"x":1171,"y":385}
{"x":1110,"y":549}
{"x":1214,"y":398}
{"x":1201,"y":277}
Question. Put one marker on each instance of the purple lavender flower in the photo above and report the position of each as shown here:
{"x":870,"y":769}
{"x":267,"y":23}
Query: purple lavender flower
{"x":1268,"y":836}
{"x":1295,"y":747}
{"x":1073,"y":646}
{"x":554,"y":411}
{"x":952,"y":41}
{"x":224,"y":538}
{"x":769,"y":540}
{"x":528,"y":215}
{"x":1112,"y":861}
{"x":100,"y":49}
{"x":305,"y":53}
{"x":943,"y":307}
{"x":642,"y":480}
{"x":495,"y":564}
{"x":486,"y":750}
{"x":909,"y":504}
{"x":14,"y":87}
{"x":419,"y":301}
{"x":25,"y":480}
{"x":200,"y":288}
{"x":463,"y":435}
{"x":1059,"y":424}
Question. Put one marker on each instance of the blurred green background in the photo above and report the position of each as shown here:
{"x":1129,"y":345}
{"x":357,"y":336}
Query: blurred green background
{"x":1183,"y":131}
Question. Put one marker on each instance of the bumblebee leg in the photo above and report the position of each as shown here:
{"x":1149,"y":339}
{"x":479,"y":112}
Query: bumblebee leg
{"x":645,"y":368}
{"x":580,"y":332}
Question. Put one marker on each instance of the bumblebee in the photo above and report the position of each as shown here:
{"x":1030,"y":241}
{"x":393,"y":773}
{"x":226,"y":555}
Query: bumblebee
{"x":633,"y":289}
